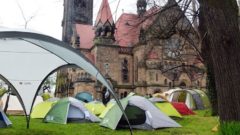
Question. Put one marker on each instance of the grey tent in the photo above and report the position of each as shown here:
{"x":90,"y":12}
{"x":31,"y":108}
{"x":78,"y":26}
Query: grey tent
{"x":28,"y":58}
{"x":141,"y":113}
{"x":4,"y":121}
{"x":191,"y":98}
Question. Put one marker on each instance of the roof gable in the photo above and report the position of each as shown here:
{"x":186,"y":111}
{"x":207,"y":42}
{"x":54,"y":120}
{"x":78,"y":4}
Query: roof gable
{"x":128,"y":26}
{"x":86,"y":34}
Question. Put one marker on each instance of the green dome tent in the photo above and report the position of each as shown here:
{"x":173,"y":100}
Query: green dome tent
{"x":141,"y":113}
{"x":69,"y":110}
{"x":84,"y":96}
{"x":165,"y":107}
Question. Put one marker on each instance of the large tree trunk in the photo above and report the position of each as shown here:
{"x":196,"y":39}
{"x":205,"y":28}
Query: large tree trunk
{"x":206,"y":55}
{"x":212,"y":92}
{"x":220,"y":19}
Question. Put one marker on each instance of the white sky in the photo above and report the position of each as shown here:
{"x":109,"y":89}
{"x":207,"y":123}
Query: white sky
{"x":48,"y":14}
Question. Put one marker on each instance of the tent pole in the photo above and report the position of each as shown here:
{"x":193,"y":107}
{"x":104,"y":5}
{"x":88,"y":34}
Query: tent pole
{"x":28,"y":121}
{"x":7,"y":101}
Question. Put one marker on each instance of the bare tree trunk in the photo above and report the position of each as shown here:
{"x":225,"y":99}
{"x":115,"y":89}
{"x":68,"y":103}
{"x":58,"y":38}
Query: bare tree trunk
{"x":194,"y":7}
{"x":220,"y":18}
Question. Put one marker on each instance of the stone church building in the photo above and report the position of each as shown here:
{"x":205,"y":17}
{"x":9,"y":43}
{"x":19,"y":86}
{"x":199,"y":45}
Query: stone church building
{"x":151,"y":51}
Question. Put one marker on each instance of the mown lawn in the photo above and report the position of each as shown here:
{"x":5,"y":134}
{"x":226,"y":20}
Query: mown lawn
{"x":192,"y":125}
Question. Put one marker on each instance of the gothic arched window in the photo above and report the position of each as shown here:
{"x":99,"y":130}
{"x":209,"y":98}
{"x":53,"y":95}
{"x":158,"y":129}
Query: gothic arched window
{"x":125,"y":94}
{"x":136,"y":69}
{"x":121,"y":96}
{"x":81,"y":76}
{"x":125,"y":70}
{"x":170,"y":84}
{"x":165,"y":82}
{"x":198,"y":83}
{"x":85,"y":76}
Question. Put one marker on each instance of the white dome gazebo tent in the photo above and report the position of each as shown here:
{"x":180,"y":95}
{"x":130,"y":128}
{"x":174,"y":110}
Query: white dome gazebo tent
{"x":28,"y":58}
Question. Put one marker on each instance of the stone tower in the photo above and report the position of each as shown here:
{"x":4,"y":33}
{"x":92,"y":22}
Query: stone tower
{"x":75,"y":11}
{"x":106,"y":51}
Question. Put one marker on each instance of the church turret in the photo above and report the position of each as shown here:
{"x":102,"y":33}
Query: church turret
{"x":141,"y":7}
{"x":104,"y":25}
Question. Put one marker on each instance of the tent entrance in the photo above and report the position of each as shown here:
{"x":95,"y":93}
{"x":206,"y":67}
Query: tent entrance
{"x":179,"y":97}
{"x":75,"y":115}
{"x":136,"y":116}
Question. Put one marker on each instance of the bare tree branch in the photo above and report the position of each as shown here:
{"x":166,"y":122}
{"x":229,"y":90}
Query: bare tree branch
{"x":26,"y":20}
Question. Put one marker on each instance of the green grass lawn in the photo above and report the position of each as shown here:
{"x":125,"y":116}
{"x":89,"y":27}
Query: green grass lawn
{"x":192,"y":125}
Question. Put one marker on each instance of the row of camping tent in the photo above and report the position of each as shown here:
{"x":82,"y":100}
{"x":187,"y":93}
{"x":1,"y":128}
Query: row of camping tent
{"x":141,"y":112}
{"x":194,"y":99}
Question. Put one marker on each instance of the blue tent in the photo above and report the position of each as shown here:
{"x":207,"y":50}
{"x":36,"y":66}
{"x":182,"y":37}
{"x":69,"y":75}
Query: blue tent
{"x":84,"y":96}
{"x":4,"y":121}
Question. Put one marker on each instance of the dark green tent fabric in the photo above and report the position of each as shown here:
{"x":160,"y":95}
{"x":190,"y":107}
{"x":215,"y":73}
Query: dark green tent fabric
{"x":136,"y":116}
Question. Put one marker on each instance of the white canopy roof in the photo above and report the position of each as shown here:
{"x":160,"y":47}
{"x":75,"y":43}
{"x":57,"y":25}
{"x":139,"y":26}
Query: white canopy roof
{"x":28,"y":58}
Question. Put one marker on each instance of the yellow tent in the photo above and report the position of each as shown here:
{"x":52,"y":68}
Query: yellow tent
{"x":95,"y":107}
{"x":41,"y":109}
{"x":166,"y":107}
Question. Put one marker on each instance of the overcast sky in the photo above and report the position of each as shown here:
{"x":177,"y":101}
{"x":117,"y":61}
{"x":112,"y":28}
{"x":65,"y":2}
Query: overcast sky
{"x":47,"y":14}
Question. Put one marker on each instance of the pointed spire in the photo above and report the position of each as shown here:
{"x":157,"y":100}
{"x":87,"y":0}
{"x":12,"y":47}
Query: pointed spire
{"x":104,"y":26}
{"x":104,"y":14}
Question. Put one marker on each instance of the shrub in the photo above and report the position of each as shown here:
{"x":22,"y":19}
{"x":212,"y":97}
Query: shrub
{"x":2,"y":91}
{"x":46,"y":96}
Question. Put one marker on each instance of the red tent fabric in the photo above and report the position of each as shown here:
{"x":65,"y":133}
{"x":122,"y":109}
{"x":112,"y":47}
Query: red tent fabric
{"x":182,"y":108}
